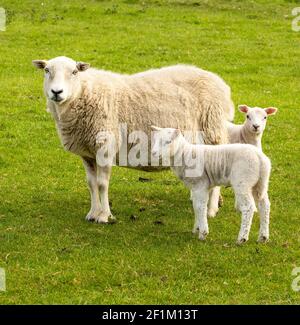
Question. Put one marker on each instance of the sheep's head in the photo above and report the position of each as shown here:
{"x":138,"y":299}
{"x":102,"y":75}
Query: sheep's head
{"x":164,"y":141}
{"x":61,"y":77}
{"x":256,"y":117}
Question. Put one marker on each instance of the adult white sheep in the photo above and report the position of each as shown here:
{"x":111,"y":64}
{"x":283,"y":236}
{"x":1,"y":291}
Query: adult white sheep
{"x":84,"y":101}
{"x":202,"y":167}
{"x":252,"y":130}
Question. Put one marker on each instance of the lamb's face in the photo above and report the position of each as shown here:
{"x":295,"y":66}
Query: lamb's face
{"x":163,"y":141}
{"x":256,"y":117}
{"x":61,"y":77}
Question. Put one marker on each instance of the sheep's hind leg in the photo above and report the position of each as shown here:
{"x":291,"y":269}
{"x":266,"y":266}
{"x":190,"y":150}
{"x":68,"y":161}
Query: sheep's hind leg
{"x":103,"y":177}
{"x":91,"y":176}
{"x":200,"y":200}
{"x":264,"y":214}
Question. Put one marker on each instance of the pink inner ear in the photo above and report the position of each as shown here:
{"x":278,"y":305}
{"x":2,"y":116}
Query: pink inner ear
{"x":243,"y":108}
{"x":270,"y":110}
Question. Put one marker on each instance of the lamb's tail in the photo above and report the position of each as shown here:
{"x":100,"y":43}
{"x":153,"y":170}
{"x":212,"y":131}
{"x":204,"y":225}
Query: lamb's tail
{"x":261,"y":188}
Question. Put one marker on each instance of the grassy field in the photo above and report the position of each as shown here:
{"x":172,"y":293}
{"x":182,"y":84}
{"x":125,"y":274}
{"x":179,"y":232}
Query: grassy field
{"x":51,"y":255}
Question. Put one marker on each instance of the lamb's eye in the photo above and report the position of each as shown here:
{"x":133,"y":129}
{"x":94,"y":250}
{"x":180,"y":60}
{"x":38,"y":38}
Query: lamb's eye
{"x":248,"y":117}
{"x":75,"y":72}
{"x":47,"y":70}
{"x":265,"y":118}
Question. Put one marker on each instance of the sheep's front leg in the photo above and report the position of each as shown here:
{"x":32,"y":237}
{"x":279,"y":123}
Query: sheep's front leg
{"x":213,"y":205}
{"x":264,"y":214}
{"x":91,"y":176}
{"x":103,"y":183}
{"x":200,"y":199}
{"x":246,"y":205}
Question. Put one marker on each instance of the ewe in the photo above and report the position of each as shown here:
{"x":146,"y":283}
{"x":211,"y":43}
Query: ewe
{"x":252,"y":130}
{"x":202,"y":167}
{"x":84,"y":102}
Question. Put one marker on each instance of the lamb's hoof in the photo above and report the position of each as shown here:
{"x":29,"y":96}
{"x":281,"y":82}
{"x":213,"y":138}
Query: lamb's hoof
{"x":202,"y":235}
{"x":221,"y":201}
{"x":262,"y":239}
{"x":241,"y":241}
{"x":212,"y":213}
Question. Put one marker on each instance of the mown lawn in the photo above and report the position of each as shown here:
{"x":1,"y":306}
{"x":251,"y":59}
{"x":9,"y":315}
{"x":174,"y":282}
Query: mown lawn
{"x":49,"y":252}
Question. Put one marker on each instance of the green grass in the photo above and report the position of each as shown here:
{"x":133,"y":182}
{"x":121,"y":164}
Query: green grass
{"x":50,"y":253}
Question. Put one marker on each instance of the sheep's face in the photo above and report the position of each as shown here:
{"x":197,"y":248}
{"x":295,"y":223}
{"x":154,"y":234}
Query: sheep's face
{"x":61,"y":81}
{"x":164,"y":141}
{"x":256,"y":117}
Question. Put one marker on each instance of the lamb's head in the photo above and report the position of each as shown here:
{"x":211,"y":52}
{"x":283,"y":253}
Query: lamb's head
{"x":164,"y":141}
{"x":61,"y":77}
{"x":256,"y":117}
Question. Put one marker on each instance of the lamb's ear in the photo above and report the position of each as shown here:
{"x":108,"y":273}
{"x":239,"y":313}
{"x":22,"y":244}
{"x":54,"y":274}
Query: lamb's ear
{"x":155,"y":128}
{"x":40,"y":64}
{"x":82,"y":66}
{"x":271,"y":110}
{"x":243,"y":108}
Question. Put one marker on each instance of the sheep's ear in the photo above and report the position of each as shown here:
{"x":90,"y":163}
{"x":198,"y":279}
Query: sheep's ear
{"x":271,"y":110}
{"x":243,"y":108}
{"x":155,"y":128}
{"x":40,"y":64}
{"x":82,"y":66}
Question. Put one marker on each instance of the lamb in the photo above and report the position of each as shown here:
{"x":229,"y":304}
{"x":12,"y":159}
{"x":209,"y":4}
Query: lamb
{"x":252,"y":130}
{"x":84,"y":101}
{"x":243,"y":166}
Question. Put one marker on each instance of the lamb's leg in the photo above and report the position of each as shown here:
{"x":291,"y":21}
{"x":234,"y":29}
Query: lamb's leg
{"x":91,"y":176}
{"x":246,"y":205}
{"x":264,"y":214}
{"x":103,"y":183}
{"x":200,"y":200}
{"x":213,"y":205}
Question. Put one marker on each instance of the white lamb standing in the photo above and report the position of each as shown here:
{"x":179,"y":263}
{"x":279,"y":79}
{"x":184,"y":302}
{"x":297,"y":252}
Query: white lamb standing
{"x":243,"y":166}
{"x":252,"y":130}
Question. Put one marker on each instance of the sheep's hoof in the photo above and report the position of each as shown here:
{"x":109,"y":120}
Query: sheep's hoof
{"x":104,"y":217}
{"x":91,"y":216}
{"x":101,"y":217}
{"x":241,"y":241}
{"x":262,"y":239}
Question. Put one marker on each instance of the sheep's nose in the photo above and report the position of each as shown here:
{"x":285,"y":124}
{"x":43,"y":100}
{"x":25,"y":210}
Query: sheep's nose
{"x":56,"y":92}
{"x":256,"y":126}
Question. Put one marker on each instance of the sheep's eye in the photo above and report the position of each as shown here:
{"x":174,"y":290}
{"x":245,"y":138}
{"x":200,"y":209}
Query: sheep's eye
{"x":47,"y":70}
{"x":74,"y":72}
{"x":248,"y":117}
{"x":265,"y":118}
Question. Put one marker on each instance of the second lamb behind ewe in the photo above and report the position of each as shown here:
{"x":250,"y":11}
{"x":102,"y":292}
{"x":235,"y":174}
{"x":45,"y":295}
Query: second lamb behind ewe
{"x":252,"y":130}
{"x":201,"y":167}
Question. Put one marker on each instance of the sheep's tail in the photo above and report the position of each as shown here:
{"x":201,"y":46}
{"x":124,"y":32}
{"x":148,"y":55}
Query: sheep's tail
{"x":212,"y":122}
{"x":216,"y":107}
{"x":261,"y":188}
